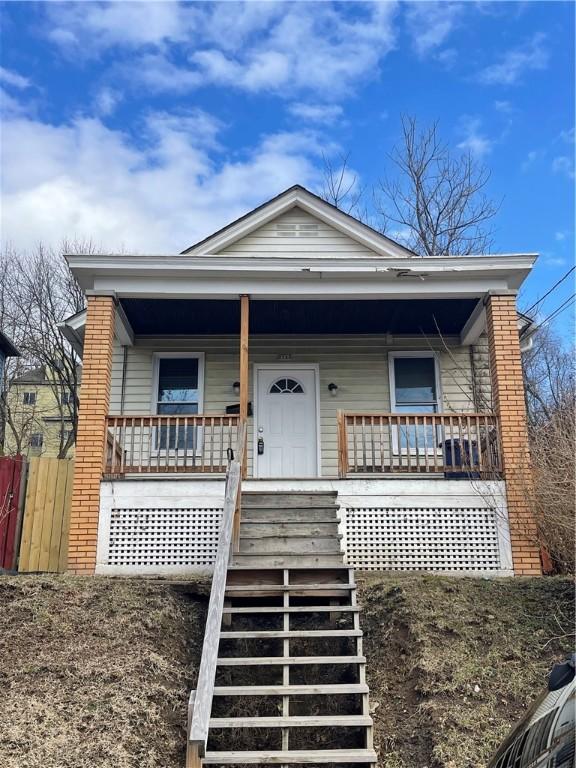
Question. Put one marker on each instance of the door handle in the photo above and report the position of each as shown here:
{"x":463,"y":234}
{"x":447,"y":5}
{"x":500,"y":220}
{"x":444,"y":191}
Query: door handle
{"x":260,"y":446}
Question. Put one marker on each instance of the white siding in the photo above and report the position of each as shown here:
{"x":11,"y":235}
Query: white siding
{"x":297,"y":233}
{"x":357,"y":364}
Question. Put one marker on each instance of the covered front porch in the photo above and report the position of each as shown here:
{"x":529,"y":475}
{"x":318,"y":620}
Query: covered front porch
{"x":328,"y":388}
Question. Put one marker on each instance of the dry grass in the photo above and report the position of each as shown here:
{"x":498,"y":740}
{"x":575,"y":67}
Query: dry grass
{"x":95,"y":672}
{"x":453,"y":663}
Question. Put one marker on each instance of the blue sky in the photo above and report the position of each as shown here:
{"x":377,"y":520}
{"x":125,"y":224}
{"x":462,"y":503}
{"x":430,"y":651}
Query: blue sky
{"x":145,"y":126}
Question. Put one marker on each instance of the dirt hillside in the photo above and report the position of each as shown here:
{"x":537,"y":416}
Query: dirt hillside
{"x":454,"y":663}
{"x":95,"y":672}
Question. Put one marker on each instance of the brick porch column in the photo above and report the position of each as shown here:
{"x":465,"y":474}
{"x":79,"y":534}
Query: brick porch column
{"x":509,"y":404}
{"x":91,"y":436}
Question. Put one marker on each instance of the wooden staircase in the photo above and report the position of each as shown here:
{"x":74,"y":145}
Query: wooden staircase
{"x":290,"y":682}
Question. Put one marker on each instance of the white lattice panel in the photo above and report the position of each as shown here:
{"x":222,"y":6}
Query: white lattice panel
{"x":389,"y":538}
{"x":163,"y":537}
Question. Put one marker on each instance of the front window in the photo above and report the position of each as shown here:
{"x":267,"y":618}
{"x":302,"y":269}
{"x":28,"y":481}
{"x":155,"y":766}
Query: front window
{"x":414,"y":389}
{"x":29,"y":398}
{"x":178,"y":394}
{"x":415,"y":385}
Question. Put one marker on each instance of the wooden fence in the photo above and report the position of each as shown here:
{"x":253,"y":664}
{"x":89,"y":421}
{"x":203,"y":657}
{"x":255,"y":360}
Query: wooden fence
{"x":44,"y":542}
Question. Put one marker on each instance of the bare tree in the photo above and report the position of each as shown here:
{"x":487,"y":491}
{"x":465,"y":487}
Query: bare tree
{"x":548,"y":375}
{"x":340,"y":186}
{"x":435,"y":199}
{"x":37,"y":291}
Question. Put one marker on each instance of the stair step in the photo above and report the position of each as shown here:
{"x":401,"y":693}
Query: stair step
{"x":281,"y":528}
{"x":299,"y":524}
{"x":293,"y":609}
{"x":289,"y":545}
{"x":254,"y":661}
{"x":285,"y":634}
{"x":278,"y":757}
{"x":302,"y":721}
{"x":264,"y":567}
{"x":289,"y":690}
{"x":255,"y":590}
{"x":274,"y":498}
{"x":285,"y":560}
{"x":290,"y":514}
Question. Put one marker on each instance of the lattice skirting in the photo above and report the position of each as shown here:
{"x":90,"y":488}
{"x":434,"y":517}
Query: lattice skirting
{"x":160,"y":538}
{"x":419,"y":538}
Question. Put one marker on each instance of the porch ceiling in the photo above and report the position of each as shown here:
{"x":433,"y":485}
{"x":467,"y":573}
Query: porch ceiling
{"x":174,"y":317}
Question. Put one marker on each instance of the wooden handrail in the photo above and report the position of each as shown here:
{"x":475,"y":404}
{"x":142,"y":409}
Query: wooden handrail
{"x":200,"y":705}
{"x":456,"y":444}
{"x":157,"y":443}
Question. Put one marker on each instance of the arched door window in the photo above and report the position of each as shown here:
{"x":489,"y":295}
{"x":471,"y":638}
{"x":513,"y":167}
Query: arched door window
{"x":286,"y":386}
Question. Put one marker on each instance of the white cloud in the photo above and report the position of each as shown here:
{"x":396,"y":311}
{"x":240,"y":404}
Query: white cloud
{"x":11,"y":78}
{"x":171,"y":188}
{"x":474,"y":140}
{"x":316,"y":113}
{"x":560,"y":235}
{"x":564,"y":165}
{"x":531,"y":158}
{"x":505,"y":107}
{"x":430,"y":24}
{"x":555,"y":261}
{"x":283,"y":48}
{"x":89,"y":27}
{"x":106,"y":101}
{"x":447,"y":57}
{"x":516,"y":62}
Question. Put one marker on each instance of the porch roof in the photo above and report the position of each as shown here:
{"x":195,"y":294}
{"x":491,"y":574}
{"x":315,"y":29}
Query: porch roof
{"x":174,"y":317}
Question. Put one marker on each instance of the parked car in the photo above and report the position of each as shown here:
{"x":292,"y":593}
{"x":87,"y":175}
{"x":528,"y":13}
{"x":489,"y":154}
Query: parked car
{"x":545,"y":738}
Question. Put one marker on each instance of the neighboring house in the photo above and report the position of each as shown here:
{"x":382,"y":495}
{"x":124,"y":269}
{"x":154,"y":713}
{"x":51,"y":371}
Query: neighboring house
{"x":361,"y":369}
{"x":39,"y":418}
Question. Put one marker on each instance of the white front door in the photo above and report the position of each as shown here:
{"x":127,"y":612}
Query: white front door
{"x":286,"y":430}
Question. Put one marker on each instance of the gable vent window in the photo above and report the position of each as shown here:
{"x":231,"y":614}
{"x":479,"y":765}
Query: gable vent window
{"x":296,"y":230}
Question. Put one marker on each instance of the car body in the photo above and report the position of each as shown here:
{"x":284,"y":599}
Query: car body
{"x":545,"y":737}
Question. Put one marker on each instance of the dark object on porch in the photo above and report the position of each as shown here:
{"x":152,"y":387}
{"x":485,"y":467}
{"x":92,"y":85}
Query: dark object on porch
{"x":235,"y":408}
{"x":460,"y":453}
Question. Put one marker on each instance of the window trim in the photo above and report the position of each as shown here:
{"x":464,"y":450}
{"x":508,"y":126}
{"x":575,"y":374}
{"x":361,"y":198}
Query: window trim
{"x":392,"y":356}
{"x":157,"y":356}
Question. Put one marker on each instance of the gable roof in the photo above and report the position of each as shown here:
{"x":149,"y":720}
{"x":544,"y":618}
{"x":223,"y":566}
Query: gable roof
{"x":300,"y":197}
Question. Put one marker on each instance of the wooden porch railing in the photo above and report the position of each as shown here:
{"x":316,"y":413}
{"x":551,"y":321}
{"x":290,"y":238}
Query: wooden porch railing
{"x":455,"y":444}
{"x":145,"y":444}
{"x":200,"y":704}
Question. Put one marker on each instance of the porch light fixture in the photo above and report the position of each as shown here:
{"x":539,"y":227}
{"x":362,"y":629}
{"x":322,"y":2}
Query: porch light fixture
{"x":236,"y":387}
{"x":333,"y":389}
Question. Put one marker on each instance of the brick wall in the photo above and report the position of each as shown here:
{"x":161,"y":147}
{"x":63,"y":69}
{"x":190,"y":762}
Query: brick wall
{"x":509,"y":403}
{"x":94,"y":406}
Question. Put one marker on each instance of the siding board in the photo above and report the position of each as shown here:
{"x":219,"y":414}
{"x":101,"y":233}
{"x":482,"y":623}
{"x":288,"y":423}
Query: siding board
{"x":326,"y":241}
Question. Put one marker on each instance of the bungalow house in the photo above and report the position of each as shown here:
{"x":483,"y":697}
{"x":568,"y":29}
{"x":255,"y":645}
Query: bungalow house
{"x":384,"y":381}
